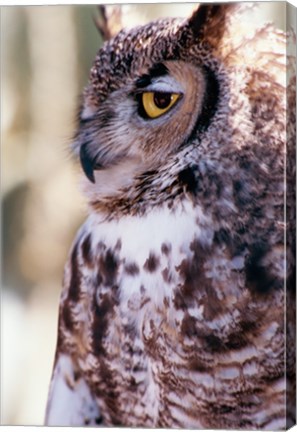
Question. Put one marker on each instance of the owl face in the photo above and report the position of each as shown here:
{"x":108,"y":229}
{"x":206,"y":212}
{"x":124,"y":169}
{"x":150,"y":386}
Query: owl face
{"x":149,"y":119}
{"x":152,"y":90}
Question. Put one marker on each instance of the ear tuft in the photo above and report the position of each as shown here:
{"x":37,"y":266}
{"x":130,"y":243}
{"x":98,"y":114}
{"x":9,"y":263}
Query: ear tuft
{"x":109,"y":23}
{"x":209,"y":21}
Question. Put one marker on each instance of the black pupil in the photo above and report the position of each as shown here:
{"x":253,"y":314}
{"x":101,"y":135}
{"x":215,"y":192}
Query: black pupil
{"x":162,"y":100}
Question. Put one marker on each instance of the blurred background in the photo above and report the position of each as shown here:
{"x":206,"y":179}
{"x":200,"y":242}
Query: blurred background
{"x":46,"y":54}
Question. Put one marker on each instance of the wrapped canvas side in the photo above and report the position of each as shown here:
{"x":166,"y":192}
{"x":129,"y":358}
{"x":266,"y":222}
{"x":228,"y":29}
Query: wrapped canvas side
{"x":291,"y":217}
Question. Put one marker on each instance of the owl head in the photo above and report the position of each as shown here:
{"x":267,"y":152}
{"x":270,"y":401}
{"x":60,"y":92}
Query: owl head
{"x":167,"y":103}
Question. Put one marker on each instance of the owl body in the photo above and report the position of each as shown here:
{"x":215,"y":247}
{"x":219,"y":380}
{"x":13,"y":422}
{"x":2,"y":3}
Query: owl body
{"x":172,"y":312}
{"x":167,"y":360}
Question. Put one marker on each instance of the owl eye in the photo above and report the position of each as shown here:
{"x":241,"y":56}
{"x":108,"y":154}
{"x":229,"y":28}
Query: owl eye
{"x":154,"y":104}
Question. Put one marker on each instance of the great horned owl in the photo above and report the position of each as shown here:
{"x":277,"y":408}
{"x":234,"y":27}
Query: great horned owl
{"x":173,"y":311}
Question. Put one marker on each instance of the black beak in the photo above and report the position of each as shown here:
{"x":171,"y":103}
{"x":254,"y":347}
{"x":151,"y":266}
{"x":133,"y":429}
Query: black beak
{"x":87,"y":163}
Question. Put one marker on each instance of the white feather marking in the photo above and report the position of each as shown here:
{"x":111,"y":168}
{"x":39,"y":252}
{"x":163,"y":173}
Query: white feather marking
{"x":229,"y":373}
{"x":87,"y":112}
{"x":250,"y":368}
{"x":277,"y":424}
{"x":143,"y":235}
{"x":166,"y":84}
{"x":240,"y":356}
{"x":152,"y":396}
{"x":109,"y":181}
{"x":70,"y":403}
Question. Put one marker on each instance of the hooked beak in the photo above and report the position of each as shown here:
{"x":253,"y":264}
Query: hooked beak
{"x":88,"y":164}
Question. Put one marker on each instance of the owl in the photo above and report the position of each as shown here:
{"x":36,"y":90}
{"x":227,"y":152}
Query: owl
{"x":178,"y":294}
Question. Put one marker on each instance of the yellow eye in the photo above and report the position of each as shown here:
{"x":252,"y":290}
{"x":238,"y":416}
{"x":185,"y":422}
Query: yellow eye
{"x":157,"y":103}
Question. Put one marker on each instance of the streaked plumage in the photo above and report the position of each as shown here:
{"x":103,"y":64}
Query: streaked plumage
{"x":173,"y":307}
